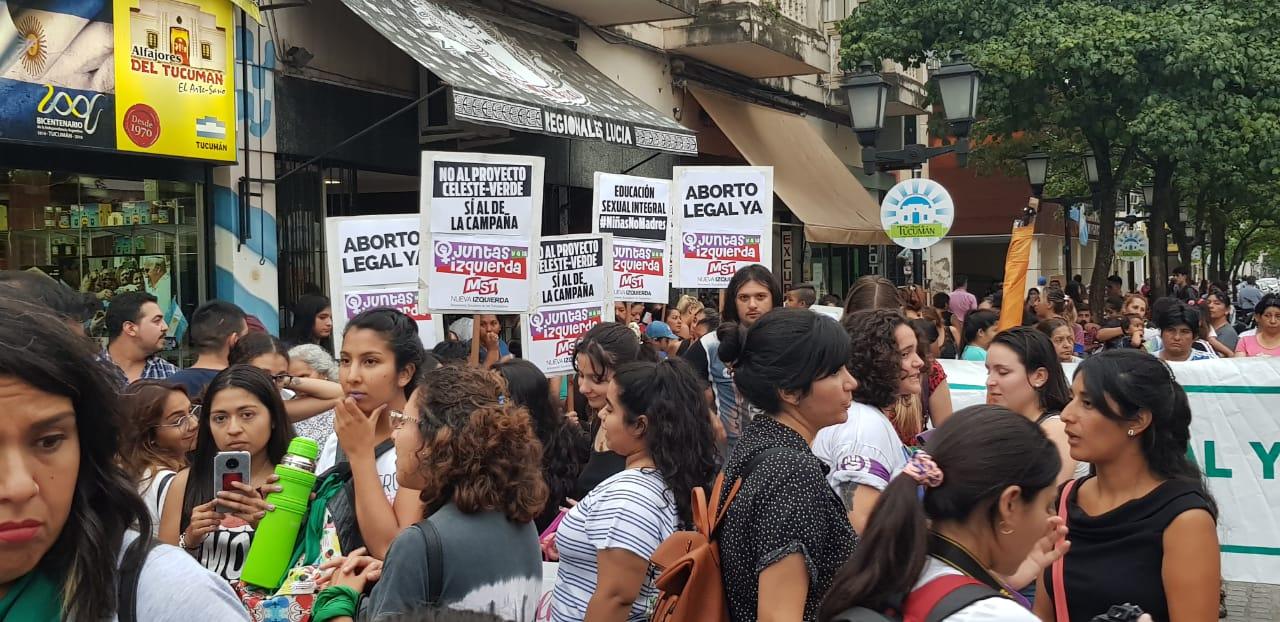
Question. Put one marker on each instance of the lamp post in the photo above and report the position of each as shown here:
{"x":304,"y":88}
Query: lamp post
{"x":867,"y":93}
{"x":1148,"y":198}
{"x":1037,"y":163}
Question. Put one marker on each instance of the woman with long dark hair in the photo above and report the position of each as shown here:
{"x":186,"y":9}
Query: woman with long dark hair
{"x":312,"y":322}
{"x":158,"y":433}
{"x":76,"y":535}
{"x":979,"y":329}
{"x":1145,"y":520}
{"x":1024,"y":375}
{"x":957,"y":512}
{"x":565,"y":446}
{"x":655,"y":417}
{"x":304,"y":398}
{"x":242,"y":412}
{"x":864,"y":452}
{"x":785,"y":534}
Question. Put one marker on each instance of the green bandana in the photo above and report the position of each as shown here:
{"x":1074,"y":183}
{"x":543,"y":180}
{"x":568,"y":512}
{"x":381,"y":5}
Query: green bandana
{"x":33,"y":598}
{"x":308,"y":548}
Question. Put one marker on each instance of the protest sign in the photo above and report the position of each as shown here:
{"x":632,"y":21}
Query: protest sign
{"x":550,"y":334}
{"x":1234,"y":439}
{"x":835,"y":313}
{"x":725,"y":222}
{"x":375,"y":250}
{"x":406,"y":299}
{"x":481,"y":215}
{"x":631,"y":207}
{"x":574,"y":269}
{"x":640,"y":271}
{"x":474,"y":273}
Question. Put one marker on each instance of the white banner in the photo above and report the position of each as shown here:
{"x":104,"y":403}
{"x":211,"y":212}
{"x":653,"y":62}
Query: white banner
{"x":1235,"y":438}
{"x":481,"y":215}
{"x":631,"y":207}
{"x":641,"y":271}
{"x":574,"y":269}
{"x":725,"y":222}
{"x":376,"y":250}
{"x":550,"y":334}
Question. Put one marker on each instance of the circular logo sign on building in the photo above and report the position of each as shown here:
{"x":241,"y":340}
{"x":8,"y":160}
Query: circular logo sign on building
{"x":1131,"y":245}
{"x":917,"y":213}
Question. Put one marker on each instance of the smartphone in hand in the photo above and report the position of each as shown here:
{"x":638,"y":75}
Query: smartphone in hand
{"x":228,"y":467}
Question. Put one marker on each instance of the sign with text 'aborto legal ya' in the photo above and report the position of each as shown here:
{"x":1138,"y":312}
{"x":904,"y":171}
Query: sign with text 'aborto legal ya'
{"x":725,"y":216}
{"x":482,"y":215}
{"x":373,"y":262}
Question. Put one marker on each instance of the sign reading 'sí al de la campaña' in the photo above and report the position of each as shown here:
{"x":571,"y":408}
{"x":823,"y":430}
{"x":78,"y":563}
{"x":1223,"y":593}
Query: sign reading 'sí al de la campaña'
{"x":574,"y":269}
{"x":725,"y":218}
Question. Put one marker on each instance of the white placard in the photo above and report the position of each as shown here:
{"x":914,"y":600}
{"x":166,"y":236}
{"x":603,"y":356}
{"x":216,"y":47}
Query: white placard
{"x":725,"y":222}
{"x":574,"y":269}
{"x":474,"y":273}
{"x":376,"y":250}
{"x":405,"y":299}
{"x":835,"y":313}
{"x":550,"y":334}
{"x":631,"y":207}
{"x":487,"y":198}
{"x":641,"y":271}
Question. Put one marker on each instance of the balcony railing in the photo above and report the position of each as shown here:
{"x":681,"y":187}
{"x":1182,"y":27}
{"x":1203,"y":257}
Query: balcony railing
{"x":794,"y":10}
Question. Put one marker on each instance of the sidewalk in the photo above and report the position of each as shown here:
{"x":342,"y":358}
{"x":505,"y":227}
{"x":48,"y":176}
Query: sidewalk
{"x":1253,"y":602}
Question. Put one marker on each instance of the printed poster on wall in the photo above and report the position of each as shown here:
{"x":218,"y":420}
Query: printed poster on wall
{"x":377,"y":250}
{"x":481,"y":215}
{"x":640,"y":271}
{"x":405,"y":299}
{"x":550,"y":334}
{"x":631,"y":207}
{"x":725,"y":216}
{"x":574,"y":269}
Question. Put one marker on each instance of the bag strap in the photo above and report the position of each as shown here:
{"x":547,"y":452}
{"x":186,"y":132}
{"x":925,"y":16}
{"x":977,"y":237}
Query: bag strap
{"x":945,"y":596}
{"x":435,"y":562}
{"x":1059,"y":582}
{"x":134,"y":558}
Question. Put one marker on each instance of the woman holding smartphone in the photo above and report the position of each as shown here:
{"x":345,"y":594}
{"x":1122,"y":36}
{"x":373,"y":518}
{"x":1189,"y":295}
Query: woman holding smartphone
{"x":243,"y":413}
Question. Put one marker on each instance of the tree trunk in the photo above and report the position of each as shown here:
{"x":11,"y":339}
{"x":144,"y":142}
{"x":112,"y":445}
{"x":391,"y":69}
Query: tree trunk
{"x":1159,"y":241}
{"x":1104,"y":203}
{"x":1179,"y":228}
{"x":1218,"y":243}
{"x":1241,"y":250}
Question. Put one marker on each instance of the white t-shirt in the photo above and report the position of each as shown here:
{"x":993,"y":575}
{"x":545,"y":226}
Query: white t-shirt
{"x":386,"y":465}
{"x":985,"y":610}
{"x":863,"y":450}
{"x":154,"y":489}
{"x":174,"y":587}
{"x":633,"y":510}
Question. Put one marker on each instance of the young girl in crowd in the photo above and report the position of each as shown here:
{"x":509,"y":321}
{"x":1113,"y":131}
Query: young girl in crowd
{"x":158,"y":433}
{"x":477,"y":465}
{"x":595,"y":357}
{"x":655,"y":417}
{"x":565,"y":446}
{"x":1059,"y":332}
{"x":979,"y":329}
{"x":242,"y":412}
{"x":312,"y":322}
{"x":1145,"y":521}
{"x":378,"y":366}
{"x":959,"y":512}
{"x":1024,"y":375}
{"x":785,"y":534}
{"x":303,"y":397}
{"x":865,"y":451}
{"x":74,"y":551}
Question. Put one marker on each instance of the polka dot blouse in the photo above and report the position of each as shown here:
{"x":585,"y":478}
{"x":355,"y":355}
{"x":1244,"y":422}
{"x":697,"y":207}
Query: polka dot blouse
{"x":784,"y":507}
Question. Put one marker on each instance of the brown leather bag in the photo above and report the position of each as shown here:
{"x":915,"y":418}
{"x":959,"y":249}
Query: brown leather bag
{"x":690,"y":586}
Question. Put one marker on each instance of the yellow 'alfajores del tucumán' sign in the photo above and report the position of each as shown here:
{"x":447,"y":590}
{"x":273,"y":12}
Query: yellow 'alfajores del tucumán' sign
{"x":174,"y":66}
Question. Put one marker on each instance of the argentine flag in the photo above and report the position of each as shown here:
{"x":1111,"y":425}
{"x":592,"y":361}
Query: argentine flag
{"x":35,"y":33}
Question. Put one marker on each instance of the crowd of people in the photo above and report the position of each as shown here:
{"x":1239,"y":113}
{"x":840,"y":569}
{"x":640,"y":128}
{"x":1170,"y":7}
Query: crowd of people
{"x":445,"y":478}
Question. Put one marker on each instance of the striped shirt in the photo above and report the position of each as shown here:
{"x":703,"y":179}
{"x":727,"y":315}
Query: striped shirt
{"x":633,"y":510}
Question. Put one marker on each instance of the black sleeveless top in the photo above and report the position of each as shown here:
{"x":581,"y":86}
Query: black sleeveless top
{"x":1117,"y":557}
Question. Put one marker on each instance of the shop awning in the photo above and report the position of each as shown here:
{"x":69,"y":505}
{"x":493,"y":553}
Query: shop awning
{"x":510,"y":78}
{"x":818,"y":188}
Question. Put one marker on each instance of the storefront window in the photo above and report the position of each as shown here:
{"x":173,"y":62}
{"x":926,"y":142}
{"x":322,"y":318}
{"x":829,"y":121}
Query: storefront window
{"x":107,"y":236}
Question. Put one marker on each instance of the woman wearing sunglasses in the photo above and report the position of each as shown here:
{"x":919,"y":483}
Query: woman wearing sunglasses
{"x":159,"y":431}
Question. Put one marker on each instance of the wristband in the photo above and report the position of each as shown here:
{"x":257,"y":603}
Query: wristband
{"x":335,"y":601}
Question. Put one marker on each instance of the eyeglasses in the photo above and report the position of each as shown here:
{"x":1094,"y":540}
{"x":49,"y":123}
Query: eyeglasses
{"x":186,"y":423}
{"x":399,"y":419}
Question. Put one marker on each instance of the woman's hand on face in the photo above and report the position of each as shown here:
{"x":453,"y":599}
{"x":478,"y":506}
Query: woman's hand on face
{"x":204,"y":521}
{"x":245,"y":502}
{"x":355,"y":429}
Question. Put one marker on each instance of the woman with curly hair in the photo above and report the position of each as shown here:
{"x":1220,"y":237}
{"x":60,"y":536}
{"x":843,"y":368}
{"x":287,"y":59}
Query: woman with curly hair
{"x":655,"y":416}
{"x":477,"y":464}
{"x":864,"y":452}
{"x":156,"y":437}
{"x":565,"y":446}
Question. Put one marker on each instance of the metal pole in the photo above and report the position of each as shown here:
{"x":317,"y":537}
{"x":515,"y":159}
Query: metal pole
{"x":1066,"y":242}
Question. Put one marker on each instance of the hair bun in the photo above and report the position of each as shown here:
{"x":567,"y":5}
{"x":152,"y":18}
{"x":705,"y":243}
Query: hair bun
{"x":733,"y":339}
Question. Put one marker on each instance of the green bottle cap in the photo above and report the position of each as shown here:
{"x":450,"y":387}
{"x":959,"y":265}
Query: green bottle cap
{"x":305,"y":447}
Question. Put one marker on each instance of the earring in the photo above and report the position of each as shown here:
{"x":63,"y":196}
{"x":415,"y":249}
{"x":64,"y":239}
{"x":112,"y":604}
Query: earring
{"x":1132,"y":432}
{"x":1005,"y":532}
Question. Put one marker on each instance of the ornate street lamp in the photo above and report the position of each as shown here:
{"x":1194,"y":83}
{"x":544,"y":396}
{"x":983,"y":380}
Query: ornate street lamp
{"x":1037,"y":163}
{"x":958,"y":83}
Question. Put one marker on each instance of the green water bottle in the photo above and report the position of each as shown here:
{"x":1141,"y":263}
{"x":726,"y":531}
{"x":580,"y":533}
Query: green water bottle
{"x":273,"y":541}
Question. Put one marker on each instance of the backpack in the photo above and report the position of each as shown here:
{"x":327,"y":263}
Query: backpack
{"x":690,"y":585}
{"x":932,"y":602}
